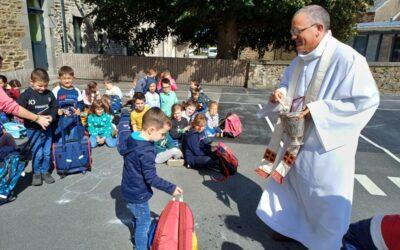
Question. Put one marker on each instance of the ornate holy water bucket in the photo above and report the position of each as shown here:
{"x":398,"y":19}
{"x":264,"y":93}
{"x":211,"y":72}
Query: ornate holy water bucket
{"x":293,"y":126}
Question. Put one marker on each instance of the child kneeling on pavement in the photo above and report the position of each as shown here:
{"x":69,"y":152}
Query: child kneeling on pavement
{"x":100,"y":126}
{"x":168,"y":151}
{"x":139,"y":172}
{"x":197,"y":146}
{"x":39,"y":100}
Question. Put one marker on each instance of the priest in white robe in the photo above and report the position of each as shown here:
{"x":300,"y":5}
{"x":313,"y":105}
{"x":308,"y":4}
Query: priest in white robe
{"x":313,"y":203}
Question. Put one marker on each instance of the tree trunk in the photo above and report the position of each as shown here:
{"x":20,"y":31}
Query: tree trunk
{"x":227,"y":39}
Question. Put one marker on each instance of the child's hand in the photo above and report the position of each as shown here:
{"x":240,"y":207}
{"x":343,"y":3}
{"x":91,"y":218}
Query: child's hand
{"x":178,"y":191}
{"x":77,"y":112}
{"x":49,"y":117}
{"x":60,"y":112}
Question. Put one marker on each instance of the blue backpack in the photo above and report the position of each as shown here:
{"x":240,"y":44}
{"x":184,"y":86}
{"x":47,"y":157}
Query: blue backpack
{"x":124,"y":131}
{"x":11,"y":169}
{"x":72,"y":152}
{"x":15,"y":129}
{"x":116,"y":104}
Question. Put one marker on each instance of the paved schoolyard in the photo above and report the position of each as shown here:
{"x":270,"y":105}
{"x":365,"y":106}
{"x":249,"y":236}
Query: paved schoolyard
{"x":88,"y":212}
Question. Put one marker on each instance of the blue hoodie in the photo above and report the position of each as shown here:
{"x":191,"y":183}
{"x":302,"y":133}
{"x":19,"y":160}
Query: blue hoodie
{"x":139,"y":173}
{"x":195,"y":144}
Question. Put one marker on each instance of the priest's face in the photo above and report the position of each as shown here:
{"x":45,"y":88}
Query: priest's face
{"x":305,"y":33}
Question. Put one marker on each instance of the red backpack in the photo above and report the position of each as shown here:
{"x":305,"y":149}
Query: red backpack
{"x":175,"y":229}
{"x":229,"y":162}
{"x":233,"y":125}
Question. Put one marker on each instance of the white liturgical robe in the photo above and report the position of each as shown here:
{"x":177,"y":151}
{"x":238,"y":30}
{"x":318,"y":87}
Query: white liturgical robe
{"x":313,"y":205}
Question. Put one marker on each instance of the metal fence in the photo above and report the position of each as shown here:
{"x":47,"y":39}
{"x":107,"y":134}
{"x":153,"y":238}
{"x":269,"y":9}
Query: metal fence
{"x":124,"y":68}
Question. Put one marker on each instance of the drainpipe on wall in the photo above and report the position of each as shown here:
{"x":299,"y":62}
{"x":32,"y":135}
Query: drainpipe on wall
{"x":64,"y":27}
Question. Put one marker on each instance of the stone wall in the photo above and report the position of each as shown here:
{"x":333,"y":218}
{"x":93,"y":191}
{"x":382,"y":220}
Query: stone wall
{"x":387,"y":76}
{"x":269,"y":74}
{"x":270,"y":55}
{"x":12,"y":31}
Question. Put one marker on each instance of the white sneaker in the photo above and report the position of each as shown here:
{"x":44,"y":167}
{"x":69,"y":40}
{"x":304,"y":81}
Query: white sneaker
{"x":175,"y":162}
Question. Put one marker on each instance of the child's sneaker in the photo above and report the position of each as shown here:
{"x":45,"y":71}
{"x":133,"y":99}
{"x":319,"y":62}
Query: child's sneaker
{"x":37,"y":180}
{"x":175,"y":162}
{"x":48,"y":178}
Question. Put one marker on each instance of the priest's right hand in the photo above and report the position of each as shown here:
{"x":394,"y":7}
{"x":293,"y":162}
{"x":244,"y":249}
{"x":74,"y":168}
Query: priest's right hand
{"x":276,"y":96}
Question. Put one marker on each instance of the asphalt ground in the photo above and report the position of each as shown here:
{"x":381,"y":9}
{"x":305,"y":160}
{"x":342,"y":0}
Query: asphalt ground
{"x":88,"y":212}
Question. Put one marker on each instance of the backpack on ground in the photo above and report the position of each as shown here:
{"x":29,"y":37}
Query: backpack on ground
{"x":116,"y":104}
{"x":232,"y":126}
{"x":228,"y":161}
{"x":15,"y":129}
{"x":175,"y":228}
{"x":72,"y":153}
{"x":11,"y":169}
{"x":124,"y":131}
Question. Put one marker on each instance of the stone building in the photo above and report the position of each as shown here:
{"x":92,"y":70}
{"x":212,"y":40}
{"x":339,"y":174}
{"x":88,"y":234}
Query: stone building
{"x":378,"y":37}
{"x":31,"y":35}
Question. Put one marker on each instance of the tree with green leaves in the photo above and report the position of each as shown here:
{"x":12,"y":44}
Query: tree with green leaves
{"x":232,"y":25}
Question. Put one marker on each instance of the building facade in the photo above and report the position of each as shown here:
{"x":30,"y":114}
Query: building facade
{"x":32,"y":35}
{"x":378,"y":37}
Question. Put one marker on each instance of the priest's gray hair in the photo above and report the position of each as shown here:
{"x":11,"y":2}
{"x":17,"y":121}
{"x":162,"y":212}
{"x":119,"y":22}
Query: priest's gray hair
{"x":316,"y":14}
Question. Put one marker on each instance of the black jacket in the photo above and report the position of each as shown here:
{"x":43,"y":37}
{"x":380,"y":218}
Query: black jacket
{"x":176,"y":131}
{"x":38,"y":103}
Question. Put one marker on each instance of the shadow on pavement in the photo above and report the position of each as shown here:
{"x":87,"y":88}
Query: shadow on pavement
{"x":230,"y":246}
{"x":123,"y":213}
{"x":246,"y":194}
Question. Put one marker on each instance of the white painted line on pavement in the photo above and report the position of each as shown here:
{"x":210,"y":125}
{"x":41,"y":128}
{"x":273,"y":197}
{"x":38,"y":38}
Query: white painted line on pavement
{"x":395,"y":180}
{"x":270,"y":124}
{"x":382,"y":148}
{"x":369,"y":185}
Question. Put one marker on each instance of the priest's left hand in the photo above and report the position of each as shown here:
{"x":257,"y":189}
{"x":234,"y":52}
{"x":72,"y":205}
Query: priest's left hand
{"x":306,"y":114}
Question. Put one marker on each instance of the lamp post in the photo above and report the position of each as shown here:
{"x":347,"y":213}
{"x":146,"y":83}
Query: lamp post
{"x":64,"y":28}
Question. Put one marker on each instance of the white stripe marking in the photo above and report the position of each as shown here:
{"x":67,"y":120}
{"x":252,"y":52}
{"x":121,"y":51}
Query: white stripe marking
{"x":270,"y":124}
{"x":395,"y":180}
{"x":382,"y":148}
{"x":369,"y":185}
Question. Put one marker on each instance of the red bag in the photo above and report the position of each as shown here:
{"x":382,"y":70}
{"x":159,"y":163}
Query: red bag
{"x":175,"y":229}
{"x":233,"y":125}
{"x":229,"y":162}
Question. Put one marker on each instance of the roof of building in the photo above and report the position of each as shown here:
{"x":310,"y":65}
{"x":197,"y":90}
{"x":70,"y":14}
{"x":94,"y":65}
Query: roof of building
{"x":379,"y":26}
{"x":378,"y":4}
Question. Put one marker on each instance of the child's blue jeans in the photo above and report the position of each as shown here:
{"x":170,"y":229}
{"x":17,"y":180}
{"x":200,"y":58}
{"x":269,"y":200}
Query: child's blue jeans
{"x":40,"y":144}
{"x":141,"y":223}
{"x":110,"y":141}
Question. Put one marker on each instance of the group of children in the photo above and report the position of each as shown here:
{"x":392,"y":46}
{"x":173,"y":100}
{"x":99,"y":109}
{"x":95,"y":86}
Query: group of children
{"x":193,"y":122}
{"x":63,"y":101}
{"x":164,"y":130}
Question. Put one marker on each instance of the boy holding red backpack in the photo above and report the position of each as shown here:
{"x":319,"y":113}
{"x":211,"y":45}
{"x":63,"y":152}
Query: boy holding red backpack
{"x":139,"y":172}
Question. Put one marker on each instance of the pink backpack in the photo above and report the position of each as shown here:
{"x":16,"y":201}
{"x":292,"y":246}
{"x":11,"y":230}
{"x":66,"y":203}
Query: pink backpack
{"x":233,"y":125}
